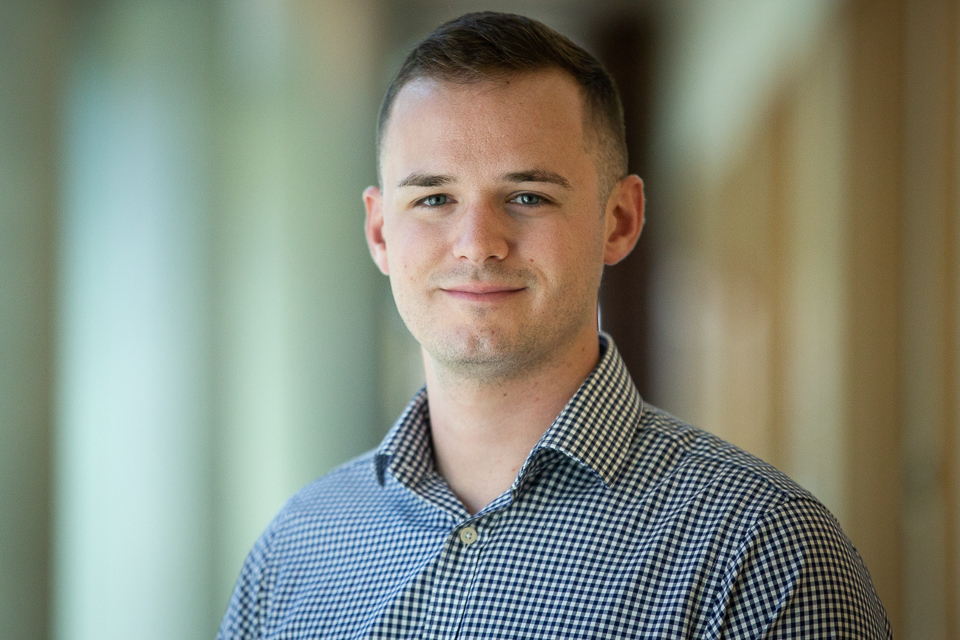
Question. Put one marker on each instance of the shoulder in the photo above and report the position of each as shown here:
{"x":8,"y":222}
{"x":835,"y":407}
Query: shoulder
{"x":296,"y":537}
{"x":797,"y":575}
{"x":666,"y":450}
{"x":350,"y":490}
{"x":786,"y":565}
{"x":691,"y":469}
{"x":348,"y":494}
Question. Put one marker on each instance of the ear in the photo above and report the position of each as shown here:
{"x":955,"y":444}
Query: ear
{"x":373,"y":228}
{"x":624,"y":219}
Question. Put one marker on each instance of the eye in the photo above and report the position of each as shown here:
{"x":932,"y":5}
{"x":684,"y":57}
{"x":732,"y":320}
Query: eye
{"x":528,"y":199}
{"x":436,"y":200}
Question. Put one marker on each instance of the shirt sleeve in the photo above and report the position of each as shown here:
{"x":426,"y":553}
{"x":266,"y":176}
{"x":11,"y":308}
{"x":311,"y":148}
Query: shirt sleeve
{"x":244,"y":618}
{"x":798,"y":576}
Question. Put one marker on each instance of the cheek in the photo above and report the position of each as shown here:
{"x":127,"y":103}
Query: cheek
{"x":412,"y":249}
{"x":572,"y":254}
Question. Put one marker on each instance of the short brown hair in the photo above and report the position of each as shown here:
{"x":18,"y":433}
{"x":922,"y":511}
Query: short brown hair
{"x":488,"y":45}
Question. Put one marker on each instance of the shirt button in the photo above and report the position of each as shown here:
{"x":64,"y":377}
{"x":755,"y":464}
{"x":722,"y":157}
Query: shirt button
{"x":468,"y":535}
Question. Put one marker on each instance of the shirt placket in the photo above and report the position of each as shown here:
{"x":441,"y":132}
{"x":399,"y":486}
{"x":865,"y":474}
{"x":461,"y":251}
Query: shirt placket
{"x":455,"y":577}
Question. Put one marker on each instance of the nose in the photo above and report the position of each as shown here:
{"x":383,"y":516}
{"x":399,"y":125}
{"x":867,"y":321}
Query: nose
{"x":482,"y":234}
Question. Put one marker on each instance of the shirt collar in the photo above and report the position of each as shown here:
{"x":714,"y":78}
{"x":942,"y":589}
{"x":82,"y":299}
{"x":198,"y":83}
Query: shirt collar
{"x":595,"y":427}
{"x":406,"y":449}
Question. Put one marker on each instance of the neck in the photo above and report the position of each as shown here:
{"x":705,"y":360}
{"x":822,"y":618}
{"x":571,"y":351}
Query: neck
{"x":483,"y":430}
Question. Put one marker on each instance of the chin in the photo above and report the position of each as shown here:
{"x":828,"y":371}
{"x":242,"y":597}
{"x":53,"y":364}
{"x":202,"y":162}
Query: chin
{"x":485,"y":355}
{"x":470,"y":347}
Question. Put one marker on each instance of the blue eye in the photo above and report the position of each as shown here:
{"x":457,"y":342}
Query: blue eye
{"x":435,"y":200}
{"x":528,"y":199}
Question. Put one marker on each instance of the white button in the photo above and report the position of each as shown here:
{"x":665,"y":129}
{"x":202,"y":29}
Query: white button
{"x":468,"y":535}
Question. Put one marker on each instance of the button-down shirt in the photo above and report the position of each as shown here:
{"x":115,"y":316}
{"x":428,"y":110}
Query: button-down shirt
{"x":622,"y":523}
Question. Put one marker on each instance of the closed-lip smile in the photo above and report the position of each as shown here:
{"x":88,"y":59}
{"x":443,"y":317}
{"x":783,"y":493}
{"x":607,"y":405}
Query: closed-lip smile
{"x":481,"y":291}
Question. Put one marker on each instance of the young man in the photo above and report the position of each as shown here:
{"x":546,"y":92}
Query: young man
{"x":528,"y":491}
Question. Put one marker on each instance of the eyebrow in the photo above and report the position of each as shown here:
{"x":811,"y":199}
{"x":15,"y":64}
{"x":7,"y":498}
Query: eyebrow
{"x":533,"y":175}
{"x":425,"y":180}
{"x":536,"y":175}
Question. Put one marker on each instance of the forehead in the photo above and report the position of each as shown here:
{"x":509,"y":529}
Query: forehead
{"x":522,"y":117}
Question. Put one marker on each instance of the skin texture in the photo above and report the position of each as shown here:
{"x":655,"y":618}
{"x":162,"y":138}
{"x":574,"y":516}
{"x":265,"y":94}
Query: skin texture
{"x":490,"y":226}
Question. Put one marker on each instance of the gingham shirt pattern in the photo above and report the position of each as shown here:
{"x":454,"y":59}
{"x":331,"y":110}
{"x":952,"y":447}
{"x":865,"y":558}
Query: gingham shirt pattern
{"x":622,"y":523}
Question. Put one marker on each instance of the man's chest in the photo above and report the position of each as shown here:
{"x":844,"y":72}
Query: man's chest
{"x":543,"y":567}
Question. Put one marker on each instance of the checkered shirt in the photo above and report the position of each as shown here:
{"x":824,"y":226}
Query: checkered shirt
{"x":622,"y":523}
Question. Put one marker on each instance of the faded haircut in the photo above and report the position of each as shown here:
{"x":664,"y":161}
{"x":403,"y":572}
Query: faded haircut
{"x":488,"y":45}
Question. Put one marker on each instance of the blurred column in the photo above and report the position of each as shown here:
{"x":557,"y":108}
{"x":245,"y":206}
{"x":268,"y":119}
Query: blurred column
{"x":874,"y":294}
{"x":812,"y":254}
{"x":29,"y":62}
{"x":133,"y":456}
{"x":929,"y":320}
{"x":296,"y":305}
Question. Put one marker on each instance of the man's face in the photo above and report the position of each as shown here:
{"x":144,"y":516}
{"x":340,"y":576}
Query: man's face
{"x":490,"y":224}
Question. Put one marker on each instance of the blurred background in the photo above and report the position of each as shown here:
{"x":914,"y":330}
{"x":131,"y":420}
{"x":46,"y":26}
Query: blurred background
{"x":191,"y":328}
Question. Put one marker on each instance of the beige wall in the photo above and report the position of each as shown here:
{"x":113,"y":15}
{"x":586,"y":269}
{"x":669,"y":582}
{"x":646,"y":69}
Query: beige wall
{"x":928,"y":319}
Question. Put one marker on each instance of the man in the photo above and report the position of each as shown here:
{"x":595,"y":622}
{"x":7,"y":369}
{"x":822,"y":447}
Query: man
{"x":528,"y":491}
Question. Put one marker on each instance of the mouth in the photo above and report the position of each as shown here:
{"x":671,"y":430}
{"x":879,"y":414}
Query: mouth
{"x":482,"y":292}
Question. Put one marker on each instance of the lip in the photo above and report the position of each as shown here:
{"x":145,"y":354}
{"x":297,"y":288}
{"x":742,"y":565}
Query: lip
{"x":480,"y":292}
